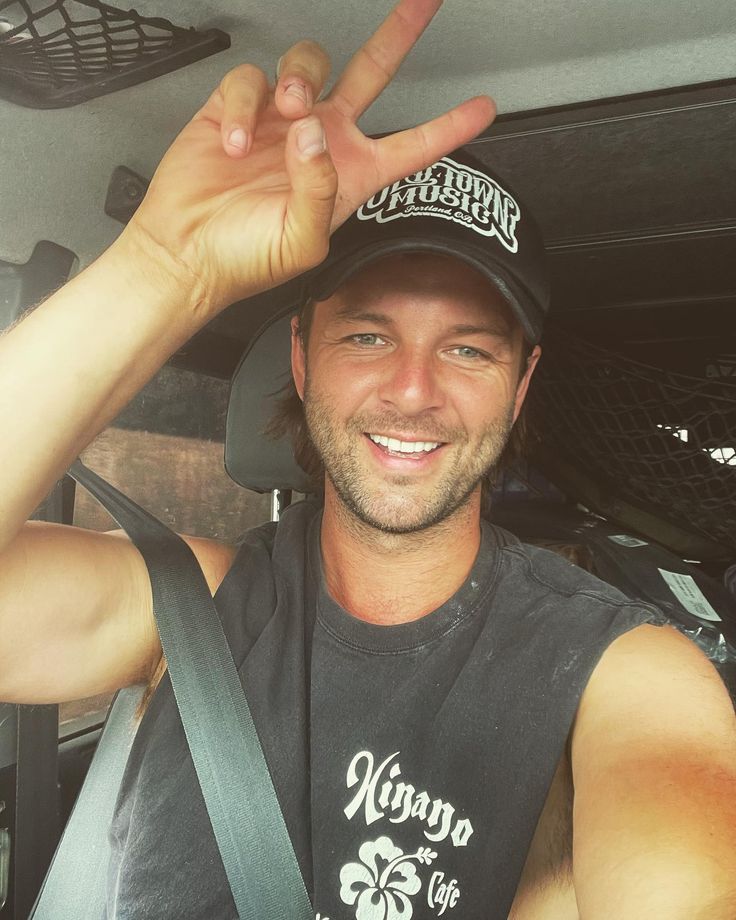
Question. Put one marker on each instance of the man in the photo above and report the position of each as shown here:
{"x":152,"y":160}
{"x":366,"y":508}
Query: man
{"x":404,"y":663}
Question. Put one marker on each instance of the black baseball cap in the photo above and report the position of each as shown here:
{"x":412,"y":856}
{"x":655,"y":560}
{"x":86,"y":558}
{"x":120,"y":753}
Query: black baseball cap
{"x":456,"y":207}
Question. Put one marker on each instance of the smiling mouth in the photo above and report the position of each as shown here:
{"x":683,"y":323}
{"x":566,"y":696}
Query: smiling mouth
{"x":407,"y":449}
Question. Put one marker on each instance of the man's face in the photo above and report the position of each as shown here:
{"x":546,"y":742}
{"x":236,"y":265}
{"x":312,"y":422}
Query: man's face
{"x":411,"y":382}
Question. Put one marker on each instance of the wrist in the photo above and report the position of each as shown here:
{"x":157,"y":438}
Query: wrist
{"x":177,"y":286}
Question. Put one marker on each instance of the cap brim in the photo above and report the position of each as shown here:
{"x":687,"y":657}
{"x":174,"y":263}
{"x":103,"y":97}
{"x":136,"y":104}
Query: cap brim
{"x":323,"y":281}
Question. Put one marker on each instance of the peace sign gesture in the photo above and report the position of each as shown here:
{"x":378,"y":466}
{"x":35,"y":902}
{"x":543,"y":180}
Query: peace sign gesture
{"x":249,"y":192}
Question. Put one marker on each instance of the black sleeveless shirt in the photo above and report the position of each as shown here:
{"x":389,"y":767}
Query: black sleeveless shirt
{"x":411,"y":762}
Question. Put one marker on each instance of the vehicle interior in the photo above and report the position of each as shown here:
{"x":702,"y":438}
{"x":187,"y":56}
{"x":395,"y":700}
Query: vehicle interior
{"x":616,"y":124}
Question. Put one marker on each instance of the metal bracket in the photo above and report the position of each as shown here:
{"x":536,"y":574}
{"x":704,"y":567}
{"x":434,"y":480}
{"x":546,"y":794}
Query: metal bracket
{"x":280,"y":501}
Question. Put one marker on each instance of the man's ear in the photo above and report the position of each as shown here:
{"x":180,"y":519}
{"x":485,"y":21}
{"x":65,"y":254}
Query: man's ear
{"x":523,"y":386}
{"x":298,"y":358}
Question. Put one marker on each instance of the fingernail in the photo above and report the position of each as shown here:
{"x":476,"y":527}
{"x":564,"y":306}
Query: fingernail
{"x":298,"y":91}
{"x":238,"y":138}
{"x":310,"y":138}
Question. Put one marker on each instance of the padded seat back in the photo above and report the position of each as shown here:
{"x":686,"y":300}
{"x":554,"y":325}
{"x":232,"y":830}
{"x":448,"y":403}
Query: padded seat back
{"x":252,"y":459}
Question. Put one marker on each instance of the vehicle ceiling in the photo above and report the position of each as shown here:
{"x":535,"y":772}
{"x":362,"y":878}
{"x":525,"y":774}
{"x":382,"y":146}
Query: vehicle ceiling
{"x":527,"y":54}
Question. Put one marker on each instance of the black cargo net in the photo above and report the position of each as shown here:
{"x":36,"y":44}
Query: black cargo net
{"x":661,"y":441}
{"x":61,"y":52}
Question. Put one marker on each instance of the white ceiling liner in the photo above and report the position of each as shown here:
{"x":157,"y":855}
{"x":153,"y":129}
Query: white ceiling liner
{"x":55,"y":165}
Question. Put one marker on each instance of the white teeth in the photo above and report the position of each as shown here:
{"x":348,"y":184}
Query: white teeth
{"x":379,"y":439}
{"x":404,"y":447}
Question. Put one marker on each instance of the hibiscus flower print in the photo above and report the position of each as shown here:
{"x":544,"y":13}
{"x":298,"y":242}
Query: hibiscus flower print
{"x":382,"y":883}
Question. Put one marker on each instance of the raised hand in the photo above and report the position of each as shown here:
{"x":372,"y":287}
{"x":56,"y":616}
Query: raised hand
{"x":249,"y":192}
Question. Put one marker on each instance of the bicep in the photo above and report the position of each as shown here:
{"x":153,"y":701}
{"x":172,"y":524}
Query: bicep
{"x":654,"y":771}
{"x":75,"y":613}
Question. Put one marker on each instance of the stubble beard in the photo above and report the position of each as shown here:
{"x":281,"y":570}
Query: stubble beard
{"x":399,"y":504}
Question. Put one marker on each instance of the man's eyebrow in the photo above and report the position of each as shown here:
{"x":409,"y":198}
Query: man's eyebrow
{"x":498,"y":331}
{"x":363,"y":316}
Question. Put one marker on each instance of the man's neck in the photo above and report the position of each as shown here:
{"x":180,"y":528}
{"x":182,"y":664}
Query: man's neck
{"x":394,"y":578}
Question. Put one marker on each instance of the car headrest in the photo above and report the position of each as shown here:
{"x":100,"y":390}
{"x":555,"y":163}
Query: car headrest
{"x":253,"y":459}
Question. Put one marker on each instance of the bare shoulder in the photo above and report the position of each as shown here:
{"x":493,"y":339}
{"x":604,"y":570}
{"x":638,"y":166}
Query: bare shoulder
{"x":654,"y":676}
{"x":653,"y":754}
{"x":650,"y":769}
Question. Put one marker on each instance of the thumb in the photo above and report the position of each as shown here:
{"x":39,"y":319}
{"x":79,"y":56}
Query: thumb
{"x":313,"y":181}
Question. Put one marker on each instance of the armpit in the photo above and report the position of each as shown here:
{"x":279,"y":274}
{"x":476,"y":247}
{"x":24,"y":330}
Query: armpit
{"x":545,"y":889}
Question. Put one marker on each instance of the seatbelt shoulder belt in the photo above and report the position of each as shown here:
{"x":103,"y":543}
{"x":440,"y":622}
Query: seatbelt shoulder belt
{"x":248,"y":825}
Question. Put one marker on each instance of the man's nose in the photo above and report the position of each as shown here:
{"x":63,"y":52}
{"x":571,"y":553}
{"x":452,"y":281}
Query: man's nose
{"x":411,"y":382}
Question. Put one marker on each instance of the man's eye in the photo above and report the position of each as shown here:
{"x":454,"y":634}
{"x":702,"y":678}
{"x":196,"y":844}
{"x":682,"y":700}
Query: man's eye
{"x":367,"y":339}
{"x":465,"y":351}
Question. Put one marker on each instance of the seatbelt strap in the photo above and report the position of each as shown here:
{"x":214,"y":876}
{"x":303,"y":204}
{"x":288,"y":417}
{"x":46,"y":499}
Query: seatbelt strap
{"x":248,"y":825}
{"x":76,"y":883}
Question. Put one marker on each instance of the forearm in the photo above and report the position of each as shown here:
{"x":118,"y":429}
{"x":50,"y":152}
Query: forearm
{"x":70,"y":366}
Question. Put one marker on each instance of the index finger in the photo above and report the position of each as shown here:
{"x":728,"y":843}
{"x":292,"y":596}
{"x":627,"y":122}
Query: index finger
{"x":373,"y":66}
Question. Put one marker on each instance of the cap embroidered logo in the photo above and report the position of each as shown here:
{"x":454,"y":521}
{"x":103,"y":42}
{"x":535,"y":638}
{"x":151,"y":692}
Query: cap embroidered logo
{"x":451,"y":191}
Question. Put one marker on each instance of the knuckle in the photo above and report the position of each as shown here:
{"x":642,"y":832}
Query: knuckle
{"x":328,"y":175}
{"x":322,"y":195}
